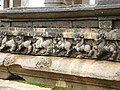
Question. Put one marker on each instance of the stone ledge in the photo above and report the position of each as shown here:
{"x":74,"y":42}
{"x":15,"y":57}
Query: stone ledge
{"x":79,"y":67}
{"x":56,"y":70}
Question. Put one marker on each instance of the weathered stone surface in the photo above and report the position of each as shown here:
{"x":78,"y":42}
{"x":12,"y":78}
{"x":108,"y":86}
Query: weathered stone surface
{"x":12,"y":85}
{"x":85,"y":24}
{"x":53,"y":24}
{"x":21,"y":24}
{"x":105,"y":24}
{"x":4,"y":73}
{"x":61,"y":71}
{"x":89,"y":33}
{"x":116,"y":24}
{"x":51,"y":70}
{"x":89,"y":68}
{"x":76,"y":11}
{"x":105,"y":7}
{"x":3,"y":57}
{"x":4,"y":24}
{"x":63,"y":12}
{"x":71,"y":16}
{"x":75,"y":86}
{"x":86,"y":37}
{"x":82,"y":85}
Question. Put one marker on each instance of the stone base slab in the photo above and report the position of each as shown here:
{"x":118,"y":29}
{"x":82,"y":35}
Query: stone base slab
{"x":65,"y":72}
{"x":63,"y":80}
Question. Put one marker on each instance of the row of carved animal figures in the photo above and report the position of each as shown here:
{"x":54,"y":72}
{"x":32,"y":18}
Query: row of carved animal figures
{"x":48,"y":46}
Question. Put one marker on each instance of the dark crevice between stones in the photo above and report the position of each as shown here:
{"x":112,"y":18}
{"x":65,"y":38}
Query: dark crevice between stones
{"x":13,"y":77}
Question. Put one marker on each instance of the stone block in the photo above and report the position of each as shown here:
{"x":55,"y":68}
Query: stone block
{"x":85,"y":23}
{"x":104,"y":2}
{"x":105,"y":24}
{"x":21,"y":24}
{"x":4,"y":24}
{"x":17,"y":3}
{"x":53,"y":24}
{"x":116,"y":24}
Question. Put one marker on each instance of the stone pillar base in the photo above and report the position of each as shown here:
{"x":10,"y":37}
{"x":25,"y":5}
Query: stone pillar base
{"x":54,"y":3}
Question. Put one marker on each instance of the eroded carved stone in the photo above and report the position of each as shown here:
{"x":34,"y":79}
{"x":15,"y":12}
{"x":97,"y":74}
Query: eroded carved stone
{"x":22,"y":43}
{"x":77,"y":44}
{"x":43,"y":63}
{"x":82,"y":47}
{"x":61,"y":44}
{"x":105,"y":49}
{"x":6,"y":43}
{"x":42,"y":46}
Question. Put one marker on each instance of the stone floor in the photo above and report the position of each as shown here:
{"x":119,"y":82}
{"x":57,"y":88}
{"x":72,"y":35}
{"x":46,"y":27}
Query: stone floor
{"x":12,"y":85}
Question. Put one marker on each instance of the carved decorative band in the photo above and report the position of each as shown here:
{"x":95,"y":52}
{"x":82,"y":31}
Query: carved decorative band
{"x":77,"y":43}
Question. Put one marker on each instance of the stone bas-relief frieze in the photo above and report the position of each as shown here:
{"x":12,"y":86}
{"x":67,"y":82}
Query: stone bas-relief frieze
{"x":62,"y":42}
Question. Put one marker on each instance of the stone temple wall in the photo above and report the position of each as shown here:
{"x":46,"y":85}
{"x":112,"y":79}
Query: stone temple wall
{"x":74,"y":46}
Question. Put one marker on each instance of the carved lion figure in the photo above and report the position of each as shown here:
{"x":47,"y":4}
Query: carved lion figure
{"x":22,"y":43}
{"x":43,"y":45}
{"x":60,"y":43}
{"x":84,"y":49}
{"x":105,"y":48}
{"x":6,"y":43}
